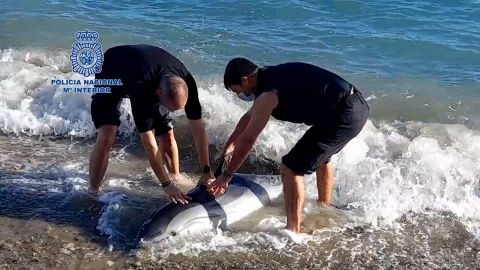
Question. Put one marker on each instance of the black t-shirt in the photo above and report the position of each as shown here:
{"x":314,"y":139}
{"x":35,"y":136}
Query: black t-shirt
{"x":140,"y":67}
{"x":306,"y":93}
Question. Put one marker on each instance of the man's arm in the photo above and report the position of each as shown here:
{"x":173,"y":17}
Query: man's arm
{"x":193,"y":110}
{"x":239,"y":129}
{"x":156,"y":161}
{"x":200,"y":138}
{"x":260,"y":114}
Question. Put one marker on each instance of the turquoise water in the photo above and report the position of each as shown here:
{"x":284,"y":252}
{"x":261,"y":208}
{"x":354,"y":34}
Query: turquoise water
{"x":429,"y":39}
{"x":399,"y":48}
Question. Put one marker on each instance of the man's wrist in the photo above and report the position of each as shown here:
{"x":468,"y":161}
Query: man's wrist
{"x":205,"y":169}
{"x":227,"y":174}
{"x":166,"y":183}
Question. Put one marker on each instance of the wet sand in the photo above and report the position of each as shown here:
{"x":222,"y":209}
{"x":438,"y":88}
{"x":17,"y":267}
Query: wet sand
{"x":35,"y":244}
{"x":29,"y":240}
{"x":44,"y":229}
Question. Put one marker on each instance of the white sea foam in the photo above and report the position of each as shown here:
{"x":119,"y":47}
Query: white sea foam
{"x":386,"y":172}
{"x":389,"y":170}
{"x":30,"y":104}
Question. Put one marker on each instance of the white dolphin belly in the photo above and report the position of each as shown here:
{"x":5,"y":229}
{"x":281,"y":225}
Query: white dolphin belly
{"x":246,"y":193}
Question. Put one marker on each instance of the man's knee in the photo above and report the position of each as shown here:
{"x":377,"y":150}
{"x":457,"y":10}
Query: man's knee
{"x":324,"y":166}
{"x":287,"y":172}
{"x":324,"y":171}
{"x":295,"y":165}
{"x":106,"y":136}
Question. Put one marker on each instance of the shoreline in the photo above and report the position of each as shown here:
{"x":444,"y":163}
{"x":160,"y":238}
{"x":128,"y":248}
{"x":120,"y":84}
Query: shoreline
{"x":35,"y":244}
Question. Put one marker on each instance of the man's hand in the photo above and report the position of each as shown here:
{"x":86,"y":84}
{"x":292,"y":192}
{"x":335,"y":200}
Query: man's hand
{"x":219,"y":185}
{"x":176,"y":195}
{"x":206,"y":179}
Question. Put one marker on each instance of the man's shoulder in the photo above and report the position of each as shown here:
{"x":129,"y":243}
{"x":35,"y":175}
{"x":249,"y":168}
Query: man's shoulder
{"x":132,"y":48}
{"x":269,"y":98}
{"x":137,"y":47}
{"x":292,"y":65}
{"x":289,"y":70}
{"x":159,"y":58}
{"x":285,"y":72}
{"x":144,"y":52}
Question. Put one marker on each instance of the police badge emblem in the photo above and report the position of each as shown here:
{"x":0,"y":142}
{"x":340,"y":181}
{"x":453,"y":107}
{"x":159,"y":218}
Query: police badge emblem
{"x":87,"y":55}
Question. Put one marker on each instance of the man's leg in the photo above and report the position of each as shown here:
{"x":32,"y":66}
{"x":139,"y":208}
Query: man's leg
{"x":106,"y":117}
{"x":169,"y":150}
{"x":324,"y":183}
{"x":312,"y":150}
{"x":294,"y":196}
{"x":100,"y":155}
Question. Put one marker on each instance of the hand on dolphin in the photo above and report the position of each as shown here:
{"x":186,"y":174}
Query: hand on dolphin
{"x":206,"y":179}
{"x":219,"y":185}
{"x":176,"y":195}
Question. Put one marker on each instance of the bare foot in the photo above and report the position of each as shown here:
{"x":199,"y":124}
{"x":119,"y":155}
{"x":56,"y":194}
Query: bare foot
{"x":294,"y":236}
{"x":322,"y":204}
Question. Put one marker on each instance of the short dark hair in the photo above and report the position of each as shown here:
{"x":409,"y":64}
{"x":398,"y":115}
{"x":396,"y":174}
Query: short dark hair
{"x":236,"y":69}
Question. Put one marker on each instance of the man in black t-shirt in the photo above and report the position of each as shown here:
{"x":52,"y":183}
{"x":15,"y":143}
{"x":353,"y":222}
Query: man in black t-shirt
{"x":297,"y":93}
{"x":156,"y":83}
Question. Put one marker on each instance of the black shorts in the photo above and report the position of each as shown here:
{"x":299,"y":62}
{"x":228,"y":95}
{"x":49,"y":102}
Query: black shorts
{"x":105,"y":110}
{"x":327,"y":138}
